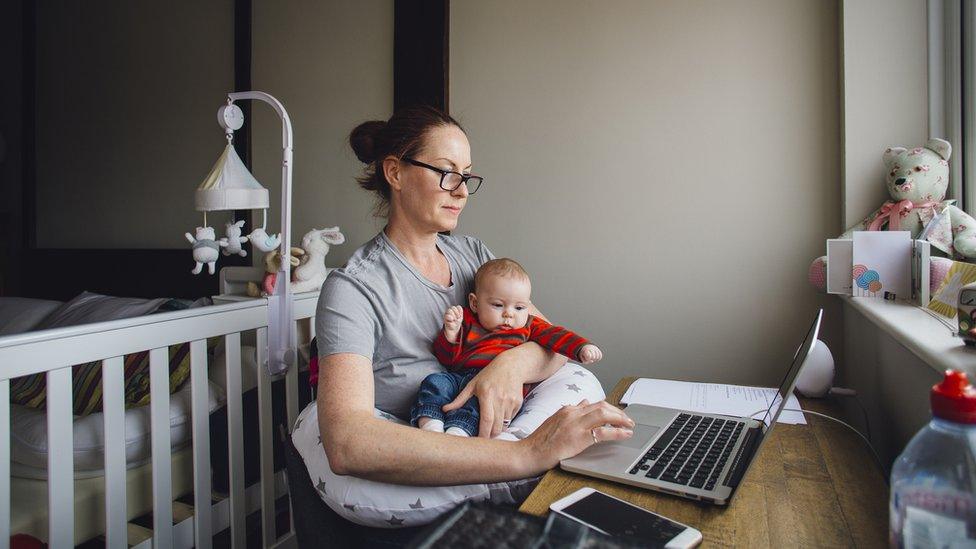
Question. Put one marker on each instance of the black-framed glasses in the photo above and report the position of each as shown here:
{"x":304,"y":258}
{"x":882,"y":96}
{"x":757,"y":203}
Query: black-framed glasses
{"x":450,"y":181}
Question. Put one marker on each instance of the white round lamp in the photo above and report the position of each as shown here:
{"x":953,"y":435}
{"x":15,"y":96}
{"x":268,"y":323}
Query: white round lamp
{"x":817,"y":376}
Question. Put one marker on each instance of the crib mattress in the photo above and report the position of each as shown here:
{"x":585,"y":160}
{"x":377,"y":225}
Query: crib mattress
{"x":29,"y":506}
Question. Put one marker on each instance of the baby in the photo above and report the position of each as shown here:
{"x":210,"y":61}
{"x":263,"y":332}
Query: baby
{"x":497,"y":320}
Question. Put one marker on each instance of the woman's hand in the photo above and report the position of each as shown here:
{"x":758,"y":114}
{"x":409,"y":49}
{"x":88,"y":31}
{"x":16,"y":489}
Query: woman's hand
{"x":575,"y":428}
{"x":498,"y":387}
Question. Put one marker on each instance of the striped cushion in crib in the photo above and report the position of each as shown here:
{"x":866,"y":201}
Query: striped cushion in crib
{"x":87,"y":378}
{"x":87,"y":382}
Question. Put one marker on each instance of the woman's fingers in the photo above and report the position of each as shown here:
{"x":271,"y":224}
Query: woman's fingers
{"x":512,"y":408}
{"x":605,"y":434}
{"x":505,"y":410}
{"x":487,"y":424}
{"x":603,"y":413}
{"x":459,"y":401}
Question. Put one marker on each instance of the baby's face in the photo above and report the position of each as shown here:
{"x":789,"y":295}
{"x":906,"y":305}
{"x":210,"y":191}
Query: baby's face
{"x":502,"y":302}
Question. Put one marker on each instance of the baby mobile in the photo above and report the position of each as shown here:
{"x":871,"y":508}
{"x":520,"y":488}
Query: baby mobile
{"x":230,"y":186}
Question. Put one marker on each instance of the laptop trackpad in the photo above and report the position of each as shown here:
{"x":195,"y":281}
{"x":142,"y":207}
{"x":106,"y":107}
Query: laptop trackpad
{"x":642,"y":434}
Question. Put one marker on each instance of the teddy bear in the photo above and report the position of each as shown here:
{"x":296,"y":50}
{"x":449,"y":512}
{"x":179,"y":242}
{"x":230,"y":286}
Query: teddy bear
{"x":233,"y":241}
{"x":205,"y":248}
{"x":916,"y":180}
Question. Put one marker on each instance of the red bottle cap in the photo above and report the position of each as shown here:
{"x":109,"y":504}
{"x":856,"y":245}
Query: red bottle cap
{"x":954,"y":399}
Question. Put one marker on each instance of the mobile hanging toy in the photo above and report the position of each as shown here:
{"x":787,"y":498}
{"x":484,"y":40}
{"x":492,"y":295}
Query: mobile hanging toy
{"x":230,"y":186}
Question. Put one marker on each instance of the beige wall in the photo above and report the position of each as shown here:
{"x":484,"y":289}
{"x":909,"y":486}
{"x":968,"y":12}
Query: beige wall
{"x":126,"y":128}
{"x":331,"y":65}
{"x":127,"y":133}
{"x":664,"y":170}
{"x":885,"y":93}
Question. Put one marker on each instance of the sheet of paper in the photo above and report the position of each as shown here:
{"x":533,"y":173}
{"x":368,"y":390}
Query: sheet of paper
{"x":840,"y":261}
{"x":882,"y":264}
{"x":710,"y":398}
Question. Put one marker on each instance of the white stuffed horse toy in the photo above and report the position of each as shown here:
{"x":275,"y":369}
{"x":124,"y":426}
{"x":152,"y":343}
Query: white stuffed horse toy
{"x":233,"y":241}
{"x":311,"y":273}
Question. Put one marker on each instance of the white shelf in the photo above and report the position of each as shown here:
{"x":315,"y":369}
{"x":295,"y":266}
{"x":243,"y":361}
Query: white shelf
{"x":927,"y":338}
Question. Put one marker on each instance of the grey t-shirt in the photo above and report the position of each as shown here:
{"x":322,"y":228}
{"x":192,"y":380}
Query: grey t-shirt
{"x":379,"y":306}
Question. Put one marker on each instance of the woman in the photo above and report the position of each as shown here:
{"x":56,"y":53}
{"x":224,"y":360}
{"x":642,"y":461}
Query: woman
{"x":377,"y":317}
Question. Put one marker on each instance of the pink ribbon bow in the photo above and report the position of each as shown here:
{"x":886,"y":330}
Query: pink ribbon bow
{"x":894,"y":211}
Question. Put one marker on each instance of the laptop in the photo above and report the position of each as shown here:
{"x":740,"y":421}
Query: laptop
{"x":689,"y":454}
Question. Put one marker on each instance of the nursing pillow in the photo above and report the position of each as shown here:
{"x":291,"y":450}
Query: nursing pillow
{"x":383,"y":505}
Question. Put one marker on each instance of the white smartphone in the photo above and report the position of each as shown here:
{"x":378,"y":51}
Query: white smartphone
{"x":614,"y":516}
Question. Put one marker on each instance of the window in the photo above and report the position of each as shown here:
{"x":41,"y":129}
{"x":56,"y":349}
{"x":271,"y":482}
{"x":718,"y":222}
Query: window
{"x":952,"y":91}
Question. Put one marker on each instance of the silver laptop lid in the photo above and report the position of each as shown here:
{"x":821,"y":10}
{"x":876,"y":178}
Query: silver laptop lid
{"x":789,"y":380}
{"x":785,"y":389}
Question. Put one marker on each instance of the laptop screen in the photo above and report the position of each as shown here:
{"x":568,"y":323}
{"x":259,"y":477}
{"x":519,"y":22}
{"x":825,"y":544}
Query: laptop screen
{"x":786,"y":387}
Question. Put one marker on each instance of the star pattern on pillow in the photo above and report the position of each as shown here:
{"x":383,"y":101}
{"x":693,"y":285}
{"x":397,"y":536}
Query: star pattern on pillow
{"x":550,"y":395}
{"x":394,"y":521}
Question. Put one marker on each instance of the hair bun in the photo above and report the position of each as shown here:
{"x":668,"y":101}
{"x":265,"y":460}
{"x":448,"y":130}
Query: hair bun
{"x":363,"y":140}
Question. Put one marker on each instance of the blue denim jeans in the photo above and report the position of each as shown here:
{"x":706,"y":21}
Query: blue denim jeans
{"x":441,"y":388}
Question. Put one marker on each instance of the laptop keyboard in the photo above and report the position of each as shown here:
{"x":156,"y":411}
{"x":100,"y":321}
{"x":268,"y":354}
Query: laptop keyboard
{"x":691,"y":452}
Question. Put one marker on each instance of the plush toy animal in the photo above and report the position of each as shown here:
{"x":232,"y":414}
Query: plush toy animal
{"x":272,"y":264}
{"x":310,"y":275}
{"x":916,"y":180}
{"x":263,"y":241}
{"x":233,"y":241}
{"x":205,"y":248}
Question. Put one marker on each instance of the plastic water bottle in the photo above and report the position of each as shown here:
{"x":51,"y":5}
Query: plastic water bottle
{"x":933,"y":482}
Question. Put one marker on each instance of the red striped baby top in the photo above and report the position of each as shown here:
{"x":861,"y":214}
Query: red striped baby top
{"x":476,"y":346}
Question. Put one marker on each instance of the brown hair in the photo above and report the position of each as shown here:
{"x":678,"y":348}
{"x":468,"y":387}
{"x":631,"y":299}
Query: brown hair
{"x":402,"y":135}
{"x":502,"y":266}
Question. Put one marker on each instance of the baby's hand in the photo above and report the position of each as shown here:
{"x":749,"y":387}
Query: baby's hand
{"x":590,"y":353}
{"x":452,"y":323}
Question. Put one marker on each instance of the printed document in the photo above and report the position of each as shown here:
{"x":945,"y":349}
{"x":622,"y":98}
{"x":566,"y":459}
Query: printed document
{"x":711,"y":398}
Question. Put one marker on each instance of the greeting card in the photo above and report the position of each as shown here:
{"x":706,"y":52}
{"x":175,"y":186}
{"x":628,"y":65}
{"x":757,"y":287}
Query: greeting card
{"x":882,"y":264}
{"x":840,"y":262}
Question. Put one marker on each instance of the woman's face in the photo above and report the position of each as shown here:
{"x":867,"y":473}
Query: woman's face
{"x":417,"y":194}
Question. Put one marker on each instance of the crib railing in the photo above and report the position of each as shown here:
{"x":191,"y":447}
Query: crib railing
{"x":53,"y":352}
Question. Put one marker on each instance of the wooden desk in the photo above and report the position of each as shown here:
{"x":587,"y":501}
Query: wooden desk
{"x":813,"y":485}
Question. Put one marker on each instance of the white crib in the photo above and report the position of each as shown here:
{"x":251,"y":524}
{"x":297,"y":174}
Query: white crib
{"x":53,"y":352}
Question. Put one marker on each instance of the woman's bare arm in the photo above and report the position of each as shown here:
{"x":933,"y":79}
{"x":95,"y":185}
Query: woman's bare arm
{"x":359,"y":444}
